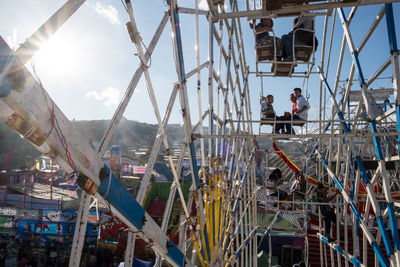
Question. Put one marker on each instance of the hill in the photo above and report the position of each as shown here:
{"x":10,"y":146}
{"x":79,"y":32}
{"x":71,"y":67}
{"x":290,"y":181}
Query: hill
{"x":129,"y":134}
{"x":17,"y":153}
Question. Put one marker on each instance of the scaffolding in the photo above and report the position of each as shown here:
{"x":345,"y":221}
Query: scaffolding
{"x":353,"y":146}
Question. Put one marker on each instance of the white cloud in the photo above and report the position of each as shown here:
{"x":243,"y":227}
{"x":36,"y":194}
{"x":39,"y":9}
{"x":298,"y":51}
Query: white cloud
{"x":110,"y":96}
{"x":109,"y":12}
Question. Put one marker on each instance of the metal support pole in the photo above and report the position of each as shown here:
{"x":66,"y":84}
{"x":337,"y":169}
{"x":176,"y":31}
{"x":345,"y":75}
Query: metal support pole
{"x":395,"y":63}
{"x":289,"y":10}
{"x":355,"y":211}
{"x":377,"y":145}
{"x":360,"y":165}
{"x":244,"y":244}
{"x":80,"y":230}
{"x":210,"y":88}
{"x":33,"y":44}
{"x":396,"y":86}
{"x":131,"y":88}
{"x":180,"y":68}
{"x":342,"y":252}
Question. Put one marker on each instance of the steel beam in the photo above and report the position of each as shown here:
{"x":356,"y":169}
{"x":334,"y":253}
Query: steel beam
{"x":298,"y":9}
{"x":33,"y":44}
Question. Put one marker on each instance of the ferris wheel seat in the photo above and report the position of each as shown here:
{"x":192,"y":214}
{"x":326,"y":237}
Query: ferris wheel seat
{"x":267,"y":121}
{"x":265,"y":53}
{"x":303,"y":52}
{"x":283,"y":69}
{"x":268,"y":47}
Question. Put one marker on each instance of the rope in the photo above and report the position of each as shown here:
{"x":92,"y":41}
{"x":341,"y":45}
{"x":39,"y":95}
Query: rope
{"x":54,"y":121}
{"x":141,"y":60}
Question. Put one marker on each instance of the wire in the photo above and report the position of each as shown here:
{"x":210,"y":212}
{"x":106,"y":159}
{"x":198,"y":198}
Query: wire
{"x":44,"y":95}
{"x":123,"y":4}
{"x":54,"y":122}
{"x":144,"y":63}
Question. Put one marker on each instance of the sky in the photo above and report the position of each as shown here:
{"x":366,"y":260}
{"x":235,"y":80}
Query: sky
{"x":88,"y":64}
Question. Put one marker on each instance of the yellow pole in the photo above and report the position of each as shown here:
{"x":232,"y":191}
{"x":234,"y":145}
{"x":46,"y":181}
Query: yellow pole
{"x":229,"y":261}
{"x":196,"y":246}
{"x":225,"y":210}
{"x":202,"y":226}
{"x":217,"y":213}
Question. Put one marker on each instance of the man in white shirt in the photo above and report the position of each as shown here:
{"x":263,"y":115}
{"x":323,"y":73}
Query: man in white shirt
{"x":302,"y":106}
{"x":305,"y":22}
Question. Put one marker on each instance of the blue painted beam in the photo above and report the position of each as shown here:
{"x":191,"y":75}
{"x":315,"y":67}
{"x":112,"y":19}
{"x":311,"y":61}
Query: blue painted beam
{"x":391,"y":28}
{"x":376,"y":140}
{"x":398,"y":123}
{"x":116,"y":194}
{"x":358,"y":216}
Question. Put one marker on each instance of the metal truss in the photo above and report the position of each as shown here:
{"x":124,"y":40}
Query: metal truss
{"x":223,"y":157}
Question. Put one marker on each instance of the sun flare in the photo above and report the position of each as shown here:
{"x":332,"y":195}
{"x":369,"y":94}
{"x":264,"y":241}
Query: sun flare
{"x":59,"y":55}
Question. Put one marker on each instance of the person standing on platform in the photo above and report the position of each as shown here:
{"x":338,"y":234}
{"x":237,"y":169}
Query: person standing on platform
{"x":326,"y":211}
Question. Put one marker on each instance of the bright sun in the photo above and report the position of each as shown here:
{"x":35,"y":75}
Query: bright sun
{"x":59,"y":56}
